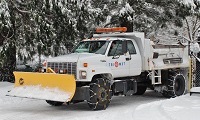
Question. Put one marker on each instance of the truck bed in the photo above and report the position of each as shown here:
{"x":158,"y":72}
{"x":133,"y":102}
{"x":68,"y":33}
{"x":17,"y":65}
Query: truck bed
{"x":168,"y":56}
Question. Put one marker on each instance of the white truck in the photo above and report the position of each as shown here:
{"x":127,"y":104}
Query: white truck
{"x":113,"y":62}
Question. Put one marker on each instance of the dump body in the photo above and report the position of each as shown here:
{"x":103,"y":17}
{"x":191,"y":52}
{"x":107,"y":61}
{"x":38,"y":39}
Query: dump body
{"x":168,"y":55}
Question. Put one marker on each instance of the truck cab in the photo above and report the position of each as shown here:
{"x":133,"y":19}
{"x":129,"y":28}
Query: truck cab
{"x":108,"y":56}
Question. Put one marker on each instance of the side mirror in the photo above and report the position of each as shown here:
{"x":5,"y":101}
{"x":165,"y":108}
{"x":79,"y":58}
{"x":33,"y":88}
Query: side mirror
{"x":124,"y":46}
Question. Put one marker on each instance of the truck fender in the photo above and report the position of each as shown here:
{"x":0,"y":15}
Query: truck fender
{"x":100,"y":70}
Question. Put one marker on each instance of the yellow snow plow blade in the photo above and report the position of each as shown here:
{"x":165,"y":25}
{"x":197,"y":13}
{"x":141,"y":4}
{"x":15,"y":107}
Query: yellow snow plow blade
{"x":47,"y":86}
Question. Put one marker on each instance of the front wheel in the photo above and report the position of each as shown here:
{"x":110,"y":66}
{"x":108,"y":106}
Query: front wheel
{"x":175,"y":86}
{"x":100,"y":94}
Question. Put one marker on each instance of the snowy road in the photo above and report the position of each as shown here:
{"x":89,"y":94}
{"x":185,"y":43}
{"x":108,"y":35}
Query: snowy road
{"x":150,"y":106}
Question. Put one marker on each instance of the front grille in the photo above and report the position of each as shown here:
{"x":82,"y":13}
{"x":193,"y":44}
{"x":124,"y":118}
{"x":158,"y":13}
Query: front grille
{"x":66,"y":67}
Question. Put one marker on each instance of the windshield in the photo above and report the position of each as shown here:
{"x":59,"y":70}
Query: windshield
{"x":97,"y":47}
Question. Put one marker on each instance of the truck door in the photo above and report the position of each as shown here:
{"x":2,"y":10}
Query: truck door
{"x":116,"y":60}
{"x":134,"y":58}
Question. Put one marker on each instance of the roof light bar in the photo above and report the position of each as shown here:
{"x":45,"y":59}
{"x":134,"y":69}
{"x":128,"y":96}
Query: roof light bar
{"x":115,"y":29}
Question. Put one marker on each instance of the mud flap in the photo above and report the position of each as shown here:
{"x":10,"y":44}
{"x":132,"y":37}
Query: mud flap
{"x":46,"y":86}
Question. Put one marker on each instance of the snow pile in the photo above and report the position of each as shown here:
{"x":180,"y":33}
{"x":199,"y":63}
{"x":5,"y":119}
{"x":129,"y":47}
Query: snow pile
{"x":39,"y":92}
{"x":149,"y":106}
{"x":195,"y":89}
{"x":4,"y":87}
{"x":180,"y":108}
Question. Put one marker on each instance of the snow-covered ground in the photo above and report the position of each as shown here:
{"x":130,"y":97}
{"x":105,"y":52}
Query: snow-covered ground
{"x":150,"y":106}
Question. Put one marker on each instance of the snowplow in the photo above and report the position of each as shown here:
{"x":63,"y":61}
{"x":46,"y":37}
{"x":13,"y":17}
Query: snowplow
{"x":112,"y":62}
{"x":47,"y":86}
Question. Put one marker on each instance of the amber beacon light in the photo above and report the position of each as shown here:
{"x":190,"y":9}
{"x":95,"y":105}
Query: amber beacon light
{"x":115,"y":29}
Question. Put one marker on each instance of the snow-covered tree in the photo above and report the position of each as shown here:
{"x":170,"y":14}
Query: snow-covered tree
{"x":190,"y":12}
{"x":140,"y":15}
{"x":46,"y":27}
{"x":52,"y":27}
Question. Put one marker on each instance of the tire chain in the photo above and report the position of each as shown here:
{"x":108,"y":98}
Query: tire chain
{"x":171,"y":84}
{"x":95,"y":94}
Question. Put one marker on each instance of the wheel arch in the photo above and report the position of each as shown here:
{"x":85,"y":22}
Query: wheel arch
{"x":108,"y":76}
{"x":97,"y":70}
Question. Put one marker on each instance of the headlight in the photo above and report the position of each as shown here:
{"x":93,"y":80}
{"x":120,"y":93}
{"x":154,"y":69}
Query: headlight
{"x":83,"y":74}
{"x":61,"y":71}
{"x":43,"y":70}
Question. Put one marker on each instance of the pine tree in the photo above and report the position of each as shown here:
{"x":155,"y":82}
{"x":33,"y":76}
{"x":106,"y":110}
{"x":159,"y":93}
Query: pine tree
{"x":141,"y":15}
{"x":190,"y":13}
{"x":46,"y":27}
{"x":52,"y":27}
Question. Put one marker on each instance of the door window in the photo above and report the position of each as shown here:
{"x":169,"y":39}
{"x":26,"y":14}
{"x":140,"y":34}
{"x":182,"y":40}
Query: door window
{"x":115,"y":48}
{"x":131,"y":47}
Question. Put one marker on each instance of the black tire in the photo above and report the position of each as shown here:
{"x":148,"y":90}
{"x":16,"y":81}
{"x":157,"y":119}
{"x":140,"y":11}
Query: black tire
{"x":175,"y":85}
{"x":100,"y":94}
{"x":151,"y":87}
{"x":54,"y":103}
{"x":141,"y":90}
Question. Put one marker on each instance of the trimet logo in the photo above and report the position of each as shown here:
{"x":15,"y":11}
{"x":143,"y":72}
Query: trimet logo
{"x":117,"y":64}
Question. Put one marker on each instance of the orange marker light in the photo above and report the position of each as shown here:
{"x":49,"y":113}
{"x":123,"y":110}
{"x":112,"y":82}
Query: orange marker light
{"x":85,"y":65}
{"x":115,"y":29}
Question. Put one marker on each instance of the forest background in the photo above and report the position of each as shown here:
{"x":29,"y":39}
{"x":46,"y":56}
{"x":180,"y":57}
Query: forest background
{"x":31,"y":28}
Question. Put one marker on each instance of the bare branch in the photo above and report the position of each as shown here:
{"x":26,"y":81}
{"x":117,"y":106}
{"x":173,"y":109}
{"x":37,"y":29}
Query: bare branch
{"x":196,"y":30}
{"x":194,"y":25}
{"x":24,"y":4}
{"x":188,"y":28}
{"x":19,"y":10}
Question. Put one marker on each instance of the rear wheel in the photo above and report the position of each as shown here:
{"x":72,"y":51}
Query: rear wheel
{"x":54,"y":103}
{"x":175,"y":85}
{"x":141,"y":90}
{"x":100,"y":94}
